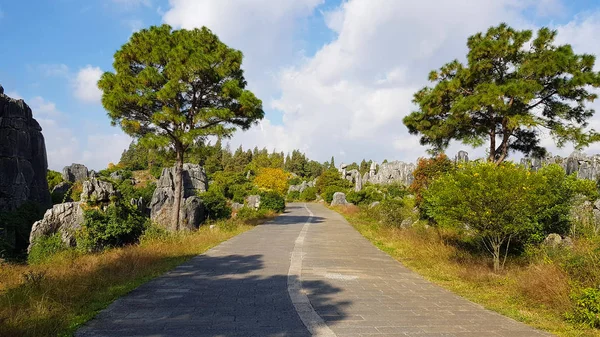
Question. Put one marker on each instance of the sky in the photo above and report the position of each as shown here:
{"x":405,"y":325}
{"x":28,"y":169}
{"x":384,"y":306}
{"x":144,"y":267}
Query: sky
{"x":336,"y":77}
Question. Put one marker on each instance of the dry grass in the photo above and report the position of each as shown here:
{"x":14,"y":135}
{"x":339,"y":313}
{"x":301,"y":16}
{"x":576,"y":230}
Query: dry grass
{"x":56,"y":297}
{"x":142,"y":178}
{"x":536,"y":294}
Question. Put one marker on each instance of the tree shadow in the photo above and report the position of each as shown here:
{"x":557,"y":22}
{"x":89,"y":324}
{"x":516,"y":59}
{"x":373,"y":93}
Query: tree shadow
{"x":234,"y":295}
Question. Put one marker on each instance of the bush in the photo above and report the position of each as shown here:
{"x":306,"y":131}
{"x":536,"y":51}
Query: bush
{"x":332,"y":178}
{"x":119,"y":225}
{"x":272,"y":200}
{"x":216,"y":205}
{"x":428,"y":169}
{"x":295,"y":181}
{"x":293,"y":196}
{"x":15,"y":228}
{"x":272,"y":179}
{"x":586,"y":308}
{"x":44,"y":247}
{"x":74,"y":192}
{"x":247,"y":213}
{"x":356,"y":198}
{"x":309,"y":194}
{"x":393,"y":211}
{"x":54,"y":178}
{"x":239,"y":192}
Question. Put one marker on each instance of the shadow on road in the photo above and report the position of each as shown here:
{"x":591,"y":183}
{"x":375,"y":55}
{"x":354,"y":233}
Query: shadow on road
{"x":234,"y":295}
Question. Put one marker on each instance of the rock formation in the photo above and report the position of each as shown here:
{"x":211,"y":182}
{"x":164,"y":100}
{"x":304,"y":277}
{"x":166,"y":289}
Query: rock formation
{"x":586,"y":167}
{"x":23,"y":161}
{"x":194,"y":181}
{"x":339,"y":199}
{"x":253,"y":201}
{"x":97,"y":191}
{"x":75,"y":172}
{"x":393,"y":172}
{"x":301,"y":187}
{"x":65,"y":219}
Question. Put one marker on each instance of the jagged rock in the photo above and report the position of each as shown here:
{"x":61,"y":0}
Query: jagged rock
{"x":339,"y":199}
{"x":23,"y":161}
{"x":586,"y":167}
{"x":117,"y":175}
{"x":61,"y":188}
{"x":64,"y":218}
{"x":236,"y":206}
{"x":138,"y":203}
{"x":461,"y":157}
{"x":194,"y":181}
{"x":75,"y":172}
{"x":253,"y":201}
{"x":191,"y":215}
{"x":393,"y":172}
{"x":97,"y":190}
{"x":554,"y":240}
{"x":301,"y":187}
{"x":93,"y":174}
{"x":373,"y":169}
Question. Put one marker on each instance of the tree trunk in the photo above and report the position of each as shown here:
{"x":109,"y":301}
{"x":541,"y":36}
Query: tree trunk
{"x":496,"y":254}
{"x":492,"y":156}
{"x":178,"y":186}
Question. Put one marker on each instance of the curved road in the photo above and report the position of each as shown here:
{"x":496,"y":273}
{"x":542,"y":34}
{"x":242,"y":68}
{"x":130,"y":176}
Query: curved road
{"x":306,"y":273}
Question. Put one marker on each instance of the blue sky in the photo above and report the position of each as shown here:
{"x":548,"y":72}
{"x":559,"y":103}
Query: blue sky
{"x":335,"y":77}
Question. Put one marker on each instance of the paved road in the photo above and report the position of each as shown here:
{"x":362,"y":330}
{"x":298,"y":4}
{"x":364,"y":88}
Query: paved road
{"x":308,"y":272}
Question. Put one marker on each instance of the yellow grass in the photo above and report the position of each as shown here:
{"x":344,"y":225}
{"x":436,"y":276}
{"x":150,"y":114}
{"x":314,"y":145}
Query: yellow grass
{"x":54,"y":298}
{"x":536,"y":294}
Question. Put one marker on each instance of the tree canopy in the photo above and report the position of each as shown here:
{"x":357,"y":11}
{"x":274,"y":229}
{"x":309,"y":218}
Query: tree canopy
{"x":512,"y":89}
{"x":177,"y":87}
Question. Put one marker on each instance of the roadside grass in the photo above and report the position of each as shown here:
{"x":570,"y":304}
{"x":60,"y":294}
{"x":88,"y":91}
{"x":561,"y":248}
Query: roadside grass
{"x":536,"y":293}
{"x":56,"y":297}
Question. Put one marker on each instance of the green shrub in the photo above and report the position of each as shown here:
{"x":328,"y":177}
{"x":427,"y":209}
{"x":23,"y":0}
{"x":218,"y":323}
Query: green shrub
{"x":119,"y":225}
{"x":44,"y":247}
{"x":392,"y":212}
{"x":356,"y":198}
{"x":156,"y":171}
{"x":215,"y":204}
{"x":239,"y":192}
{"x":54,"y":178}
{"x":293,"y":196}
{"x":295,"y":181}
{"x":247,"y":213}
{"x":331,"y":178}
{"x":586,"y":308}
{"x":309,"y":194}
{"x":273,"y":201}
{"x":15,"y":228}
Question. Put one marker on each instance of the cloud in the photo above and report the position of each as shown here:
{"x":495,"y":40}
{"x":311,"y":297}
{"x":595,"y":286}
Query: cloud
{"x":97,"y":154}
{"x":132,"y":4}
{"x":134,"y":24}
{"x":43,"y":108}
{"x":54,"y":70}
{"x":86,"y":84}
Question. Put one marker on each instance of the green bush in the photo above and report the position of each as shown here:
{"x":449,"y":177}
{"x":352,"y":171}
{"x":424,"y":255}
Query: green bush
{"x":273,"y":201}
{"x":15,"y":228}
{"x":356,"y":198}
{"x":586,"y":308}
{"x":293,"y":196}
{"x":331,"y":178}
{"x":215,"y":204}
{"x":119,"y":225}
{"x":247,"y":213}
{"x":295,"y":181}
{"x":239,"y":192}
{"x":156,"y":171}
{"x":54,"y":178}
{"x":392,"y":212}
{"x":309,"y":194}
{"x":44,"y":247}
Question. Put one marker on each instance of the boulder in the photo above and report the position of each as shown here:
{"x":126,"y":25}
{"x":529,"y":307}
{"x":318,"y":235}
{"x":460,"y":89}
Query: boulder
{"x":553,"y":240}
{"x":406,"y":223}
{"x":23,"y":161}
{"x":117,"y":176}
{"x":461,"y":157}
{"x":97,"y":191}
{"x":194,"y":182}
{"x":393,"y":172}
{"x":64,"y":218}
{"x":191,"y":215}
{"x":236,"y":206}
{"x":374,"y":204}
{"x":75,"y":172}
{"x":253,"y":201}
{"x":339,"y":199}
{"x":61,"y":188}
{"x":138,"y":203}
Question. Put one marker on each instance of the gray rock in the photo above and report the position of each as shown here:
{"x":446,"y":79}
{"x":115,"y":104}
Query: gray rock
{"x":75,"y":172}
{"x":552,"y":240}
{"x":253,"y":201}
{"x":191,"y":215}
{"x":61,"y":188}
{"x":98,"y":191}
{"x":236,"y":206}
{"x":117,"y":175}
{"x":194,"y":182}
{"x":339,"y":199}
{"x":23,"y":161}
{"x":138,"y":203}
{"x":567,"y":242}
{"x":373,"y":169}
{"x":406,"y":223}
{"x":461,"y":157}
{"x":374,"y":204}
{"x":93,"y":174}
{"x":64,"y":218}
{"x":393,"y":172}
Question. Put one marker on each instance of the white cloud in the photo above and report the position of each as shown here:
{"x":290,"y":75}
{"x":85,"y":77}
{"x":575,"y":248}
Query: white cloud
{"x":42,"y":108}
{"x":132,"y":4}
{"x":134,"y":24}
{"x":58,"y":70}
{"x":86,"y":84}
{"x":104,"y":148}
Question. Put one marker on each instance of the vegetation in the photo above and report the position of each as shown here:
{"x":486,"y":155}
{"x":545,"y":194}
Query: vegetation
{"x":177,"y":87}
{"x":511,"y":88}
{"x":272,"y":179}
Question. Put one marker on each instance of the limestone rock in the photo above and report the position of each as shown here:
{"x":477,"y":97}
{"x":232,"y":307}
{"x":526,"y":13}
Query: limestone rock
{"x":553,"y":240}
{"x":406,"y":223}
{"x":75,"y":172}
{"x":61,"y":188}
{"x":194,"y":181}
{"x":461,"y":157}
{"x":138,"y":203}
{"x":97,"y":190}
{"x":117,"y":176}
{"x":253,"y":201}
{"x":64,"y":218}
{"x":23,"y":161}
{"x":191,"y":215}
{"x":339,"y":199}
{"x":236,"y":206}
{"x":394,"y":172}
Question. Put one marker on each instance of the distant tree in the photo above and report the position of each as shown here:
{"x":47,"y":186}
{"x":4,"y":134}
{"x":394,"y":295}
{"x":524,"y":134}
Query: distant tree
{"x":274,"y":179}
{"x":175,"y":88}
{"x":332,"y":163}
{"x":427,"y":170}
{"x":511,"y":89}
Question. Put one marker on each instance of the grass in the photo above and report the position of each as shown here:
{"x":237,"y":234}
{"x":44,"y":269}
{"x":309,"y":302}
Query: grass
{"x":56,"y":297}
{"x":536,"y":293}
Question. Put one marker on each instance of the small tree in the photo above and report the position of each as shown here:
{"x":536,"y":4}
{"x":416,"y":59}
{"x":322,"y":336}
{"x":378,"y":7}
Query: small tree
{"x":498,"y":204}
{"x":177,"y":87}
{"x":427,"y":170}
{"x":274,"y":179}
{"x":506,"y":94}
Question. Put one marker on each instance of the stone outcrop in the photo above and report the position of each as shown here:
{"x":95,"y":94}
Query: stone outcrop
{"x":393,"y":172}
{"x":194,"y":181}
{"x":586,"y":167}
{"x":23,"y":161}
{"x":339,"y":199}
{"x":98,"y":191}
{"x":253,"y":201}
{"x":461,"y":157}
{"x":75,"y":172}
{"x":301,"y":187}
{"x":65,"y":219}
